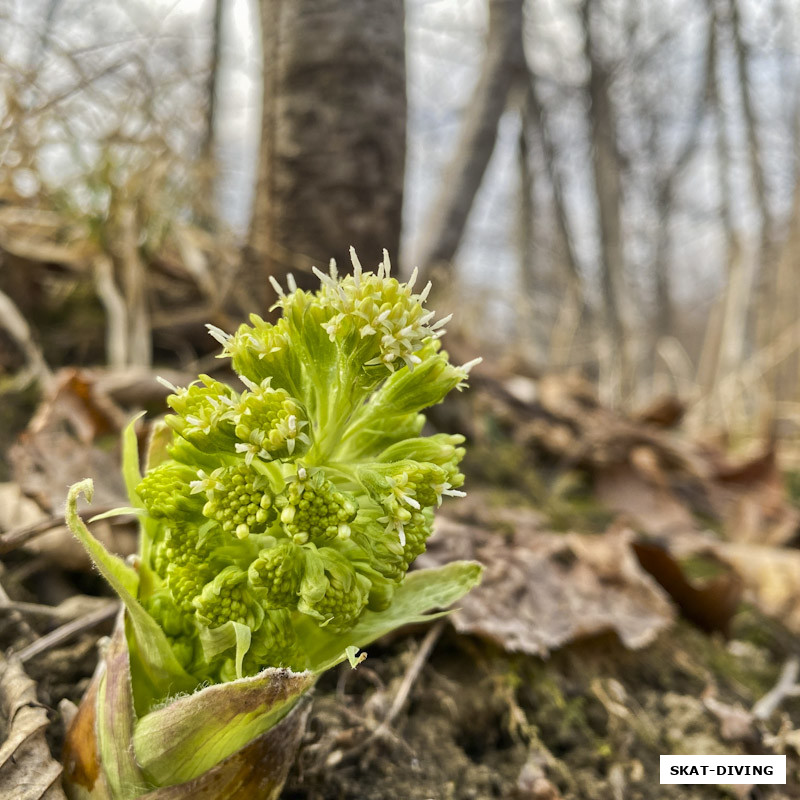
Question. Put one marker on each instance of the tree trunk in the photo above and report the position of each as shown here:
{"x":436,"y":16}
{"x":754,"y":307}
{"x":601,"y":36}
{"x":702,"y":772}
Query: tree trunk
{"x":765,"y":289}
{"x":332,"y":155}
{"x":503,"y":66}
{"x":608,"y":193}
{"x":207,"y":204}
{"x":573,"y":275}
{"x":573,"y":304}
{"x":212,"y":84}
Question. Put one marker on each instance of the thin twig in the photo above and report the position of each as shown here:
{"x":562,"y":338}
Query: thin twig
{"x":16,"y":326}
{"x":13,"y":539}
{"x":57,"y":613}
{"x":66,"y":632}
{"x":785,"y":687}
{"x":384,"y":730}
{"x":412,"y":673}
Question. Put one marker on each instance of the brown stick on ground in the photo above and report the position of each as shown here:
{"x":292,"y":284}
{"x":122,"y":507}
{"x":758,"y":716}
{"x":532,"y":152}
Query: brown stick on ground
{"x":65,"y":632}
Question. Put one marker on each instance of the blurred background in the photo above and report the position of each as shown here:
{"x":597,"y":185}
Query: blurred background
{"x":606,"y":185}
{"x":606,"y":194}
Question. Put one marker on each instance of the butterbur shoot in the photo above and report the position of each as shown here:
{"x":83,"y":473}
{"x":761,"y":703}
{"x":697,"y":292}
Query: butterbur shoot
{"x":279,"y":519}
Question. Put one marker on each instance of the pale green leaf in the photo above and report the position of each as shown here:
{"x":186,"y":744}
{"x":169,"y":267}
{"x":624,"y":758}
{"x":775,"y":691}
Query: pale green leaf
{"x":217,"y":640}
{"x":190,"y":735}
{"x":115,"y":722}
{"x":122,"y":511}
{"x":130,"y":459}
{"x":152,"y":648}
{"x":157,"y":448}
{"x":421,"y":592}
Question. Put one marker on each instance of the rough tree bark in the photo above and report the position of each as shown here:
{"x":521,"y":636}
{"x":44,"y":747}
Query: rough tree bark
{"x":503,"y":66}
{"x":332,"y":156}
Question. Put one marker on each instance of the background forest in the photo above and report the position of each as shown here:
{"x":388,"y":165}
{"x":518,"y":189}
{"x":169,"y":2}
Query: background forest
{"x":606,"y":193}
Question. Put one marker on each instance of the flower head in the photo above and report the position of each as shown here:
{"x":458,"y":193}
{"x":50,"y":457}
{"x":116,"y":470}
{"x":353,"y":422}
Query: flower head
{"x":296,"y":502}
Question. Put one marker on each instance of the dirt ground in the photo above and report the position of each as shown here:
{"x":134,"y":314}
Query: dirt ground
{"x":588,"y":723}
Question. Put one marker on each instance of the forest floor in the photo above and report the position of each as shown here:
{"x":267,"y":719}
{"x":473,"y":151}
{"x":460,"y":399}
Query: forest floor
{"x":641,"y":597}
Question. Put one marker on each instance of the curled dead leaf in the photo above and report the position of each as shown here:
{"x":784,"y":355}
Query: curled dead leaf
{"x":710,"y":606}
{"x":28,"y":771}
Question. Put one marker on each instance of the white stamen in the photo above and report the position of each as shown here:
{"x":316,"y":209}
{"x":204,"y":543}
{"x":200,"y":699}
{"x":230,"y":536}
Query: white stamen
{"x":219,"y":334}
{"x":167,"y":385}
{"x":412,"y":502}
{"x":357,"y":268}
{"x":470,"y":364}
{"x":276,"y":286}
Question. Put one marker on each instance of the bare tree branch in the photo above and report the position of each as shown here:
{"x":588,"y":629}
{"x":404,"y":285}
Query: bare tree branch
{"x":502,"y":66}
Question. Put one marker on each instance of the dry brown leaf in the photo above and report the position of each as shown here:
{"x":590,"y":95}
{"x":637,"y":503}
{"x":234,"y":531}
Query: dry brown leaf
{"x":663,"y":412}
{"x":771,"y":577}
{"x":750,"y":498}
{"x":543,"y":590}
{"x":710,"y":606}
{"x":28,"y":771}
{"x":17,"y":510}
{"x":62,"y":445}
{"x":75,"y":400}
{"x":653,"y":508}
{"x":658,"y":479}
{"x":47,"y":462}
{"x":23,"y":523}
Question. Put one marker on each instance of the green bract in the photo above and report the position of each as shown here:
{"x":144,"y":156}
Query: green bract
{"x":279,"y":518}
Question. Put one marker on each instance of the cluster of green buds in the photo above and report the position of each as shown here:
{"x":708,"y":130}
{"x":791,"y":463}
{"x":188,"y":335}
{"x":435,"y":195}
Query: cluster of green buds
{"x":280,"y":517}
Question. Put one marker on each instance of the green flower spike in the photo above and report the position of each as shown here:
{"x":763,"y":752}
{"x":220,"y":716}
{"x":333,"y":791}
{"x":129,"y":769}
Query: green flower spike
{"x":269,"y":423}
{"x":166,"y":493}
{"x":278,"y":572}
{"x":228,"y":598}
{"x":203,"y":413}
{"x":314,"y":511}
{"x":339,"y":594}
{"x":239,"y":499}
